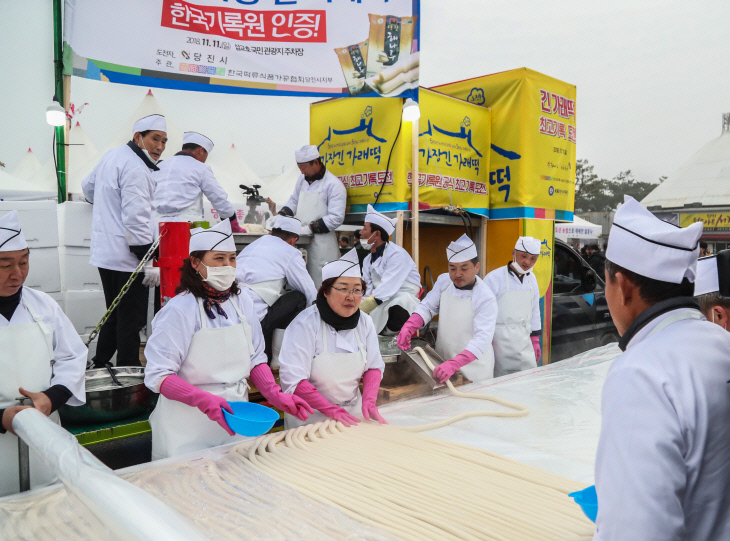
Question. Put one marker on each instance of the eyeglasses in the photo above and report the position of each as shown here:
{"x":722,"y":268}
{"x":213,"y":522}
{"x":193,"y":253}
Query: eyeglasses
{"x":345,"y":291}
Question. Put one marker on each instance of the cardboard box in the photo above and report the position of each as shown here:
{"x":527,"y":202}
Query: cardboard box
{"x":45,"y":270}
{"x":84,"y":309}
{"x":76,"y":273}
{"x":38,"y":219}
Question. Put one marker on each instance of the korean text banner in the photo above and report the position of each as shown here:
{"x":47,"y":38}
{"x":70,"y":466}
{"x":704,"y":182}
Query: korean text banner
{"x":361,"y":143}
{"x":454,"y":153}
{"x":715,"y":221}
{"x":532,"y":169}
{"x":284,"y":47}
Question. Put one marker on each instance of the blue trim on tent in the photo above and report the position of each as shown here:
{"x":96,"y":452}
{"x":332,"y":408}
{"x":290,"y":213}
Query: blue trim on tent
{"x":381,"y":207}
{"x":526,"y":212}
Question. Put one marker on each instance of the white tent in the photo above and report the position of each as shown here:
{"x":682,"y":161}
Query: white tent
{"x":578,"y":229}
{"x":39,"y":178}
{"x":280,"y":187}
{"x":13,"y":188}
{"x":231,"y":170}
{"x":82,"y":158}
{"x":704,"y":179}
{"x":27,"y":166}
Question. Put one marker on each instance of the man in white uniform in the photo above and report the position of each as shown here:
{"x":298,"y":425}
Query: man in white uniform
{"x":467,"y":313}
{"x":183,"y":180}
{"x":42,"y":357}
{"x":265,"y":267}
{"x":519,"y":326}
{"x":663,"y":460}
{"x":318,"y":201}
{"x":121,"y":188}
{"x":390,"y":274}
{"x":712,"y":288}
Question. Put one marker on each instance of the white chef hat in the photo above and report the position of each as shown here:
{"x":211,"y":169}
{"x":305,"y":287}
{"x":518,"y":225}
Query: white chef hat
{"x":288,"y":223}
{"x":219,"y":237}
{"x":708,"y":279}
{"x":644,"y":244}
{"x":348,"y":266}
{"x":151,"y":122}
{"x":11,"y":235}
{"x":306,"y":154}
{"x":530,"y":245}
{"x":198,"y":139}
{"x":461,"y":250}
{"x":374,"y":217}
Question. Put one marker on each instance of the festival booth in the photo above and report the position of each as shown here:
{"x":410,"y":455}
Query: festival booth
{"x":578,"y":229}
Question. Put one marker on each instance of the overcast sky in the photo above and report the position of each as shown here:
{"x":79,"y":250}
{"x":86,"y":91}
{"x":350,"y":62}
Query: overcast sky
{"x":653,"y":79}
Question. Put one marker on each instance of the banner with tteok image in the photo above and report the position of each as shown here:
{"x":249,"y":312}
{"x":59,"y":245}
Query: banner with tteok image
{"x":280,"y":47}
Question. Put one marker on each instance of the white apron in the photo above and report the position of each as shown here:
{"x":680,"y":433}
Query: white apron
{"x":455,"y":331}
{"x":26,"y":361}
{"x":512,"y":346}
{"x":406,"y":297}
{"x":270,"y":290}
{"x":218,"y":361}
{"x":323,"y":247}
{"x":337,"y":377}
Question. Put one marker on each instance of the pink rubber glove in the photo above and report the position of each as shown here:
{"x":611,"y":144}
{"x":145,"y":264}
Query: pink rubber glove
{"x":235,"y":228}
{"x":176,"y":388}
{"x":447,"y":369}
{"x":370,"y":385}
{"x":414,"y":323}
{"x":262,"y":377}
{"x":314,"y":398}
{"x":536,"y":346}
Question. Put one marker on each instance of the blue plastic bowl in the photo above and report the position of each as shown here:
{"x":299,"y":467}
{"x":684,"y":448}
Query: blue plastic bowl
{"x":250,"y":419}
{"x":588,"y":501}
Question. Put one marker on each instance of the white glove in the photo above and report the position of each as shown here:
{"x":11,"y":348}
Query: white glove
{"x":151,"y":275}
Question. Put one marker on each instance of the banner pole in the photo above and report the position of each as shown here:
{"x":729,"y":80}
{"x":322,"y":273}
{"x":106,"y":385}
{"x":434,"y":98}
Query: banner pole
{"x":414,"y":193}
{"x":58,"y":80}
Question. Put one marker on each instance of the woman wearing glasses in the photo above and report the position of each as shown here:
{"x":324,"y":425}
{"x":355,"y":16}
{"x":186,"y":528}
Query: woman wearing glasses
{"x":330,"y":347}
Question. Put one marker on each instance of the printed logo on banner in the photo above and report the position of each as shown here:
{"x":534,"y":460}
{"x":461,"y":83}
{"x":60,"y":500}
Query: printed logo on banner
{"x":476,"y":96}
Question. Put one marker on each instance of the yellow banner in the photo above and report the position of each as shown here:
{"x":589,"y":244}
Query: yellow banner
{"x":357,"y":137}
{"x":543,"y":231}
{"x":716,"y":221}
{"x":532,"y":169}
{"x":453,"y":153}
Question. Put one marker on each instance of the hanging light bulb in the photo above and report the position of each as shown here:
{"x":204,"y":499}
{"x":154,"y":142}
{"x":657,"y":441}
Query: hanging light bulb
{"x":55,"y":114}
{"x":411,"y":111}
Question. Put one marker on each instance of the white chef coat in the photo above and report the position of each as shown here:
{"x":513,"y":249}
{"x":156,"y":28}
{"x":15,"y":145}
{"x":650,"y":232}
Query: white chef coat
{"x":333,"y":193}
{"x":270,"y":258}
{"x":394,"y":267}
{"x":181,"y":183}
{"x":303,"y":342}
{"x":498,"y":284}
{"x":482,"y":302}
{"x":175,"y":325}
{"x":69,"y":352}
{"x":663,"y":460}
{"x":121,"y":189}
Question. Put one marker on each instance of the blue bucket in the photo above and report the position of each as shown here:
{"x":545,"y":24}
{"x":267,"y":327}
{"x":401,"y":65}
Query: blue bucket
{"x":249,"y":419}
{"x":588,"y":501}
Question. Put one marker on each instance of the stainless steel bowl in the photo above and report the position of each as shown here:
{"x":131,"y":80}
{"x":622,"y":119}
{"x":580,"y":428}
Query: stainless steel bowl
{"x":107,"y":402}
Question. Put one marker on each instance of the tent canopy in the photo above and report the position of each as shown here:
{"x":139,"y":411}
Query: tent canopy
{"x":13,"y":188}
{"x":578,"y":229}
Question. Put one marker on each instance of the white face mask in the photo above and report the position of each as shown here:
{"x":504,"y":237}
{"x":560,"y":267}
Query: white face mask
{"x":146,"y":153}
{"x":220,"y":278}
{"x":518,"y":269}
{"x":367,"y":245}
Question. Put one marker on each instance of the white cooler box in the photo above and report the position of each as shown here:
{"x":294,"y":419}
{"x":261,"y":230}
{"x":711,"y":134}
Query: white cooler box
{"x":77,"y":273}
{"x":84,"y":309}
{"x":45,"y":270}
{"x":38,"y":220}
{"x":58,"y":297}
{"x":74,"y":223}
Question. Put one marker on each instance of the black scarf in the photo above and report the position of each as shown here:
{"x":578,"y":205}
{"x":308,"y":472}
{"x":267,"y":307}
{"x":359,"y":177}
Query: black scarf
{"x":335,"y":321}
{"x":10,"y":303}
{"x":467,"y":288}
{"x":142,"y":156}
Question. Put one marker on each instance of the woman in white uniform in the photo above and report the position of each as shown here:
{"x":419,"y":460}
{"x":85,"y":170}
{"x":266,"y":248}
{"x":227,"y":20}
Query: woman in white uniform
{"x":206,"y":343}
{"x":467,"y":313}
{"x":516,"y":340}
{"x":318,"y":201}
{"x":42,"y":357}
{"x":390,"y":274}
{"x":330,"y":347}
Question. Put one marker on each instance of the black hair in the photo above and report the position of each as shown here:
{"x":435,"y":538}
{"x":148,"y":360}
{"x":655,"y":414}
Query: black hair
{"x":709,"y":300}
{"x":703,"y":245}
{"x":191,"y":281}
{"x":347,"y":241}
{"x":357,"y":234}
{"x":475,"y":260}
{"x":192,"y":147}
{"x":383,"y":235}
{"x":144,"y":133}
{"x":283,"y":235}
{"x":650,"y":290}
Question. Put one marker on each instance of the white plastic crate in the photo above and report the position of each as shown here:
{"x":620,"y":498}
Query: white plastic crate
{"x":38,"y":220}
{"x":76,"y":273}
{"x":74,"y":222}
{"x":45,"y":270}
{"x":84,"y":309}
